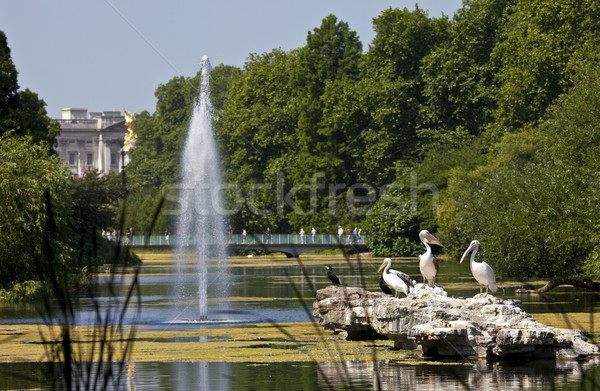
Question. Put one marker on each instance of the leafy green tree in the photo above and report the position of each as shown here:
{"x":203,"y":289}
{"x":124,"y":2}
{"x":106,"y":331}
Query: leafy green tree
{"x":534,"y":56}
{"x":94,"y":202}
{"x":390,"y":92}
{"x":221,"y":78}
{"x":50,"y":223}
{"x":256,"y":132}
{"x":155,"y":157}
{"x":530,"y":205}
{"x":8,"y":82}
{"x":331,"y":56}
{"x":94,"y":205}
{"x":22,"y":112}
{"x":29,"y":181}
{"x":459,"y":76}
{"x":392,"y":225}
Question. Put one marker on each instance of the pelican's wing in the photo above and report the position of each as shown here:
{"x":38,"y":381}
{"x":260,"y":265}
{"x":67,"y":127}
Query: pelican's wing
{"x":384,"y":286}
{"x":489,"y":271}
{"x":404,"y":277}
{"x":436,"y":264}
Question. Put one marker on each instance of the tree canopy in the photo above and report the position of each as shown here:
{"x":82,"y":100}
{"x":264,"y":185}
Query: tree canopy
{"x":22,"y":112}
{"x":50,"y":222}
{"x":468,"y":119}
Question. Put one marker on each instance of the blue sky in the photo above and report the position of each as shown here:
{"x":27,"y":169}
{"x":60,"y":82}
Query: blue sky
{"x":112,"y":54}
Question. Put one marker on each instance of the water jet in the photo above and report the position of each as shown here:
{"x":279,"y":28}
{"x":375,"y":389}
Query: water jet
{"x":201,"y":224}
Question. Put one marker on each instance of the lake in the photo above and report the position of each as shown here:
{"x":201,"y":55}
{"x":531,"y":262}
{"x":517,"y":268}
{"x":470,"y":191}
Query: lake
{"x":261,"y":333}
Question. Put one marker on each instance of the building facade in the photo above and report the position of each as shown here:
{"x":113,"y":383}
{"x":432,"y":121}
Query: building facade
{"x":93,"y":141}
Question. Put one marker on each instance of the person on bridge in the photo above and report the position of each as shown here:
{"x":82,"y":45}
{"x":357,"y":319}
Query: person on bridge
{"x":244,"y":235}
{"x":340,"y":233}
{"x":268,"y":235}
{"x":230,"y":233}
{"x":313,"y":233}
{"x":302,"y":233}
{"x":130,"y":236}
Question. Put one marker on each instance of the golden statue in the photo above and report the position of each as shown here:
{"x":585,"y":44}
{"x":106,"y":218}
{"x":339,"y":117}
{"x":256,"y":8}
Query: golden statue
{"x":130,"y":136}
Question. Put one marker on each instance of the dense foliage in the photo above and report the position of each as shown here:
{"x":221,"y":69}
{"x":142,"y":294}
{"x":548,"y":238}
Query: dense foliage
{"x":29,"y":181}
{"x":484,"y":124}
{"x":534,"y":200}
{"x":49,"y":222}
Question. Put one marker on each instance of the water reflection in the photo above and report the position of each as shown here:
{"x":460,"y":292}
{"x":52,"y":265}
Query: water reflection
{"x":478,"y":375}
{"x":355,"y":375}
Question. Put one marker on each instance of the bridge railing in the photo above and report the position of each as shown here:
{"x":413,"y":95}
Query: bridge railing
{"x":296,"y":239}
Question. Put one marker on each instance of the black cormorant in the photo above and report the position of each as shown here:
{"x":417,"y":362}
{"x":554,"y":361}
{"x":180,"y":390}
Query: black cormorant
{"x":332,"y":277}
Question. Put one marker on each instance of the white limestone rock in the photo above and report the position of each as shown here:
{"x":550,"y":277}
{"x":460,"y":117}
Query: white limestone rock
{"x":483,"y":326}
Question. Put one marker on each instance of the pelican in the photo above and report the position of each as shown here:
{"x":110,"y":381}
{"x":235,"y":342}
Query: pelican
{"x":332,"y":277}
{"x":428,"y":263}
{"x":398,"y":281}
{"x":482,"y":272}
{"x":384,"y":288}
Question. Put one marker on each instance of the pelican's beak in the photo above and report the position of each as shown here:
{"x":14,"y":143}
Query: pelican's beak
{"x":433,"y":240}
{"x":471,"y":247}
{"x":380,"y":267}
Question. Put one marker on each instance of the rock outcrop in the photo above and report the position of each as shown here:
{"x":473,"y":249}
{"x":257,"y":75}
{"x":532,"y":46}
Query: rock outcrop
{"x":482,"y":326}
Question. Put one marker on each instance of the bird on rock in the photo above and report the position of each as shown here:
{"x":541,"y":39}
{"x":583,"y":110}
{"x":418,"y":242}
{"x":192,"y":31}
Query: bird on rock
{"x":397,"y":280}
{"x":482,"y":272}
{"x":428,"y":263}
{"x":383,"y":286}
{"x":332,"y":277}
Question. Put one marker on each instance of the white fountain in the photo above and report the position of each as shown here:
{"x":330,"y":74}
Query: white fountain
{"x":201,"y":224}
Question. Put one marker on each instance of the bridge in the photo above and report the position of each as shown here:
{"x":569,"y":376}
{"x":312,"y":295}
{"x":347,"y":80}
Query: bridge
{"x":292,"y":245}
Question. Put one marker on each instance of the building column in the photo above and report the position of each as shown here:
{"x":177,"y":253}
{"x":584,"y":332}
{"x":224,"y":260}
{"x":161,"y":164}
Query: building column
{"x":107,"y":158}
{"x":100,"y":162}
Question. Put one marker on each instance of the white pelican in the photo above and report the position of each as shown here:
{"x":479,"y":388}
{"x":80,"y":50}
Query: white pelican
{"x":383,"y":286}
{"x":427,"y":262}
{"x":398,"y":281}
{"x":482,"y":272}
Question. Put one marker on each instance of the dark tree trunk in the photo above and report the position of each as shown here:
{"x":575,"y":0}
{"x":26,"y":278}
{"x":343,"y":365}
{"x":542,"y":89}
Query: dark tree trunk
{"x":576,"y":282}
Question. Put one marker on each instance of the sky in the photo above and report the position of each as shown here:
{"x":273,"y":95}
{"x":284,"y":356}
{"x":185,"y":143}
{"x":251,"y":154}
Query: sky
{"x":113,"y":54}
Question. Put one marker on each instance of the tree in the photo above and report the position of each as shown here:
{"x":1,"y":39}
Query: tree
{"x":392,"y":225}
{"x":256,"y":132}
{"x":391,"y":91}
{"x":30,"y":183}
{"x":331,"y":56}
{"x":459,"y":76}
{"x":22,"y":112}
{"x":49,"y":223}
{"x":530,"y":205}
{"x":155,"y":159}
{"x":534,"y":56}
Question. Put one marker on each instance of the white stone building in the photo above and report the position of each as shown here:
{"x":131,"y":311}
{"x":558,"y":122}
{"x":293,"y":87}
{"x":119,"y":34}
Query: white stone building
{"x":92,"y":142}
